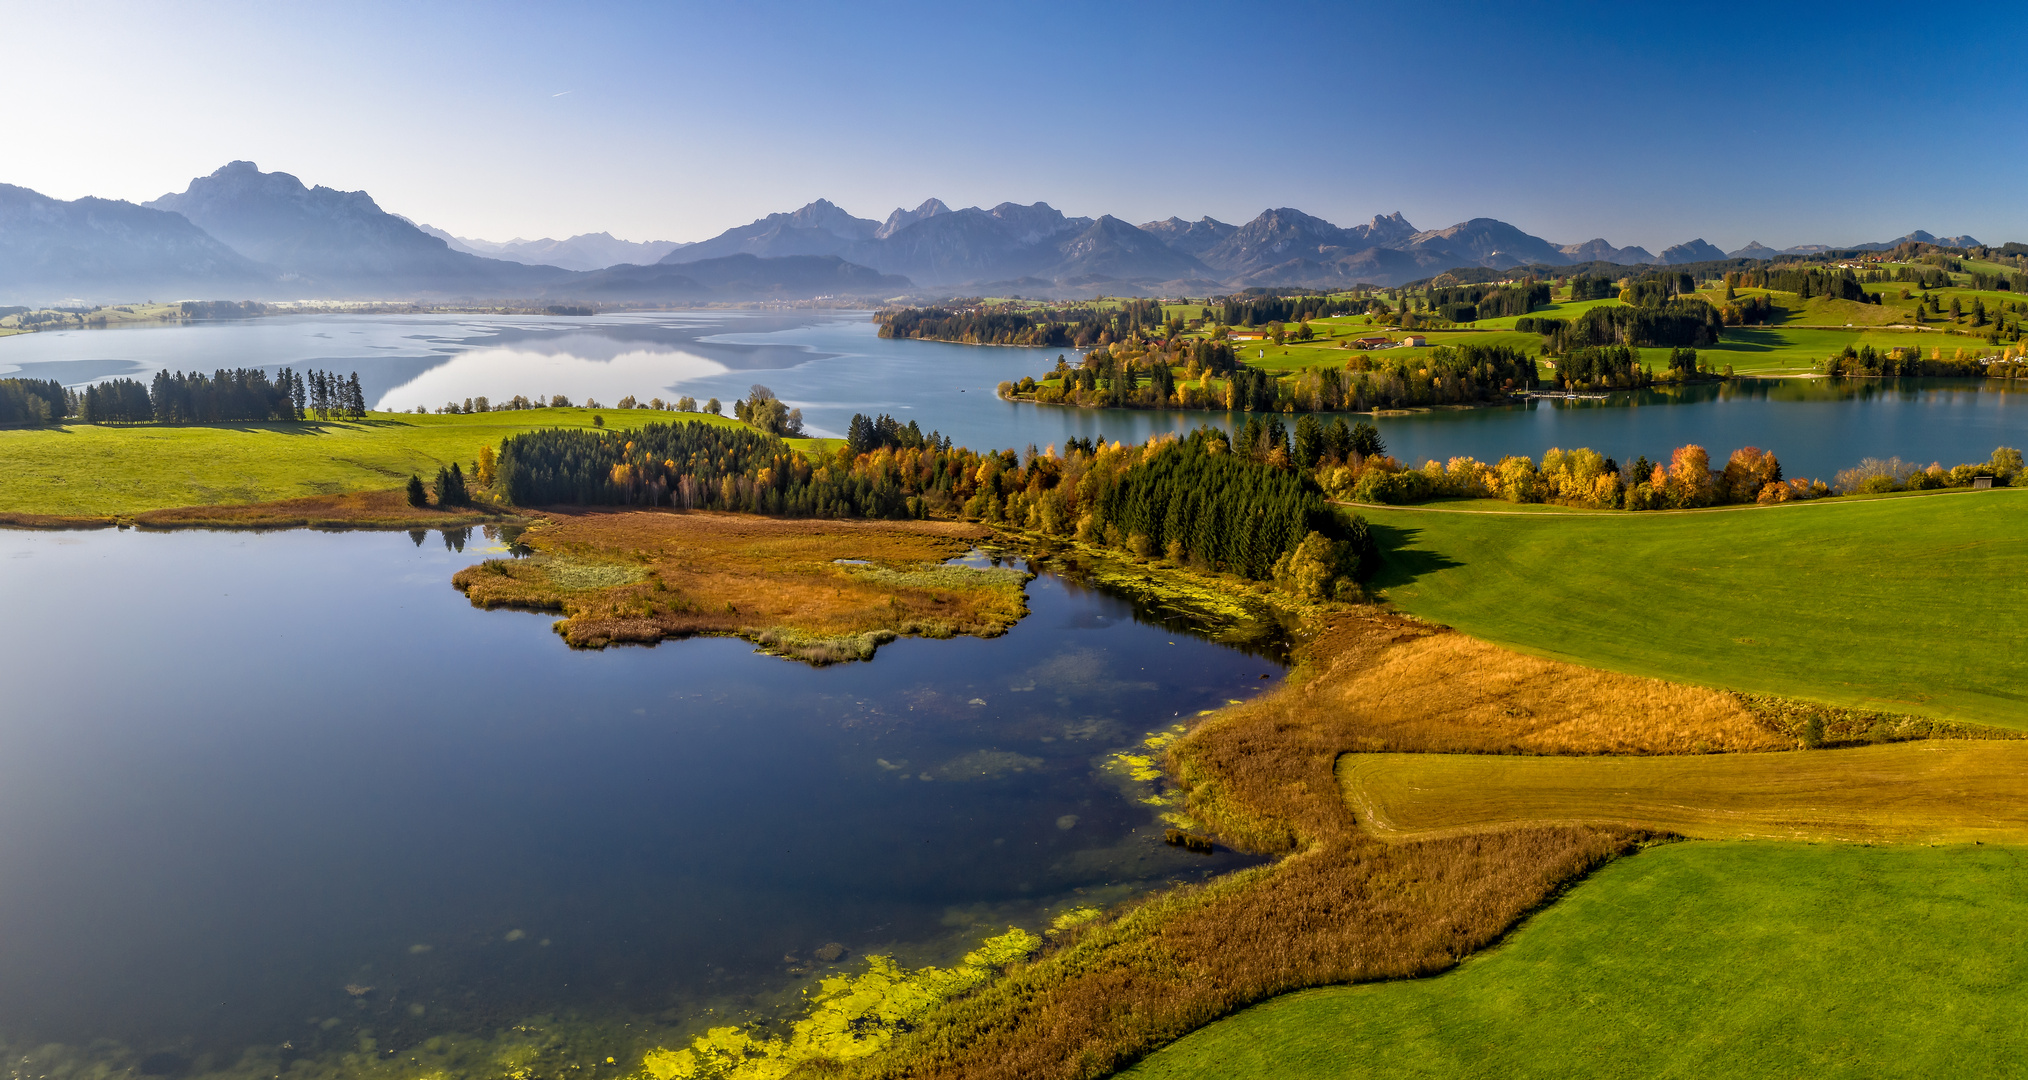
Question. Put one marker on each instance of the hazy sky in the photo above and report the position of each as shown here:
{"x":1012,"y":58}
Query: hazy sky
{"x":1642,"y":123}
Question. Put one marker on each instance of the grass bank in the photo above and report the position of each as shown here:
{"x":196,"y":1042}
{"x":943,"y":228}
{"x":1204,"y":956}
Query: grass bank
{"x":1899,"y":604}
{"x":86,"y":473}
{"x":1774,"y":959}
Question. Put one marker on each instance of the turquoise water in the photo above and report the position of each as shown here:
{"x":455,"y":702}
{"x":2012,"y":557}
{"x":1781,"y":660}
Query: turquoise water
{"x":832,"y":364}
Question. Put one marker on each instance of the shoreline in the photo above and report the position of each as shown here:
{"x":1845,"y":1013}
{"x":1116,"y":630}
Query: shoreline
{"x":382,"y":511}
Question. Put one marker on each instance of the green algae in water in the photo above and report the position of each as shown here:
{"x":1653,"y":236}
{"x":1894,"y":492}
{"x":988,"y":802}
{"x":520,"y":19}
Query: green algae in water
{"x":1138,"y":770}
{"x":846,"y":1017}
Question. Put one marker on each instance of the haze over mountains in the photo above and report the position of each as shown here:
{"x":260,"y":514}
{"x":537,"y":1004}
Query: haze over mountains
{"x":241,"y":233}
{"x":585,"y":251}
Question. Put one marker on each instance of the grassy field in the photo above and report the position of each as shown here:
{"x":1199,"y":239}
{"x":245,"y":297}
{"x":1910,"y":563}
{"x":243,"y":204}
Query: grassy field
{"x":1903,"y":604}
{"x":1951,"y":791}
{"x":1691,"y":960}
{"x":90,"y":470}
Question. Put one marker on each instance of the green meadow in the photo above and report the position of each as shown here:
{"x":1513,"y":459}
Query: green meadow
{"x":1691,"y":960}
{"x":92,"y":470}
{"x":1906,"y":604}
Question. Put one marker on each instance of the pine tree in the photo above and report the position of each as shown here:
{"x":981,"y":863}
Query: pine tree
{"x":416,"y":495}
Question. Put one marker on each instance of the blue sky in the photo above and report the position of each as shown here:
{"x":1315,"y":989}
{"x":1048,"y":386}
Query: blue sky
{"x":1644,"y":124}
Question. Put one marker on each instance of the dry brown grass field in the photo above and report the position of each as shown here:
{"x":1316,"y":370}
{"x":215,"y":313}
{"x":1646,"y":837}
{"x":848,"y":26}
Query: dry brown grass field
{"x":1914,"y":792}
{"x":642,"y":576}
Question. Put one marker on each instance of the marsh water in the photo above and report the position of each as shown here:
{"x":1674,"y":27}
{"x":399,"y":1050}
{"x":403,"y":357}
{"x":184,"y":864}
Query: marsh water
{"x":833,"y":364}
{"x":242,"y":773}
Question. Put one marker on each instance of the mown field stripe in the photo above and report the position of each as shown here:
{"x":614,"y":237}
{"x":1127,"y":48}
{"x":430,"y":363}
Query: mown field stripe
{"x":1920,"y":792}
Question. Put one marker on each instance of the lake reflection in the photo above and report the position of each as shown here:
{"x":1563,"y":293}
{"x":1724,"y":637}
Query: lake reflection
{"x":832,"y":364}
{"x":241,"y":773}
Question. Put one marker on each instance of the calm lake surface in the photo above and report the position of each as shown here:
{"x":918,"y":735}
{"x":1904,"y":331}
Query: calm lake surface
{"x":242,"y":772}
{"x":832,"y":365}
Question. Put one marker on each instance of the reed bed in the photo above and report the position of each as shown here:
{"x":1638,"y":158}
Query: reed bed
{"x":820,"y":591}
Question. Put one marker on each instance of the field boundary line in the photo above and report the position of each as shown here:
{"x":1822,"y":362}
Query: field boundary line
{"x":1575,"y":512}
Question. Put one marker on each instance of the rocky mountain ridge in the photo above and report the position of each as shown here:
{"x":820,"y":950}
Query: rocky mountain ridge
{"x":246,"y":233}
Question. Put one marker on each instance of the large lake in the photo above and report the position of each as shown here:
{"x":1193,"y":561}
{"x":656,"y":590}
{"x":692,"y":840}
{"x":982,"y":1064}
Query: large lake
{"x":242,"y":772}
{"x":833,"y":364}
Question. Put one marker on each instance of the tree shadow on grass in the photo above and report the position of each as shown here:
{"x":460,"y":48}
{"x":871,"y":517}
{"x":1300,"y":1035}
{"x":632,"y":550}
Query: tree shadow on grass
{"x":1401,"y":560}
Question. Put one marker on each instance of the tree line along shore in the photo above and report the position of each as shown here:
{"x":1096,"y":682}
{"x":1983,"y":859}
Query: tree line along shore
{"x":1920,"y":312}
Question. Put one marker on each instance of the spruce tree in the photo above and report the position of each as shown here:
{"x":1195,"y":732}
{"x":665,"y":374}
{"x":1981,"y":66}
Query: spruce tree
{"x":416,"y":495}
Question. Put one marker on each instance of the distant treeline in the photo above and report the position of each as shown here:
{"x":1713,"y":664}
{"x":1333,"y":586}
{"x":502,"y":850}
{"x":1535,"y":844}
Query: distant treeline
{"x":1909,"y":362}
{"x":240,"y":394}
{"x":1653,"y":311}
{"x":1266,"y":310}
{"x":1236,"y":505}
{"x":1074,"y":326}
{"x":223,"y":309}
{"x":1469,"y":303}
{"x":1143,"y":377}
{"x":1806,"y":283}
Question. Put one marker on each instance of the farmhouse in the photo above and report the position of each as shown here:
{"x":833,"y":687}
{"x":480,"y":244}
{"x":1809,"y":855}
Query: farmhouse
{"x":1378,"y":341}
{"x":1414,"y":341}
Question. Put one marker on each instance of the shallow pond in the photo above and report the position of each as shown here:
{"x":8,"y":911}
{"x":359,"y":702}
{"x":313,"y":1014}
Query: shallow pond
{"x":242,"y":773}
{"x":833,"y":364}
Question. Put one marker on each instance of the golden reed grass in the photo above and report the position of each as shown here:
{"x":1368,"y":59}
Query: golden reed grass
{"x":1343,"y":906}
{"x":699,"y":572}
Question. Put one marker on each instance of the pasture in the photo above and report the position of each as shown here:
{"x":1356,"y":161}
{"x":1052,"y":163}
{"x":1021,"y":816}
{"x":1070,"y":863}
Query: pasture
{"x":1695,"y":959}
{"x":102,"y":470}
{"x":1904,"y":604}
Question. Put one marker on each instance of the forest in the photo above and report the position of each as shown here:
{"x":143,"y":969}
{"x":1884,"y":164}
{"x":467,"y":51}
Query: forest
{"x":1804,"y":282}
{"x":1676,"y":321}
{"x":1469,"y":303}
{"x":1142,"y":376}
{"x":1687,"y":480}
{"x":32,"y":401}
{"x":241,"y":394}
{"x":1236,"y":505}
{"x":979,"y":323}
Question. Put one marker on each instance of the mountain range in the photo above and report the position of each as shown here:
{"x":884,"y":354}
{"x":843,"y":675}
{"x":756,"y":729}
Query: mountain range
{"x":585,"y":251}
{"x":244,"y":233}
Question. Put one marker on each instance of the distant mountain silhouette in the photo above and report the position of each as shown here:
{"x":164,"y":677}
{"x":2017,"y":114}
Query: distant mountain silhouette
{"x":339,"y":242}
{"x":104,"y":251}
{"x":819,"y":228}
{"x":1753,"y":250}
{"x":585,"y":251}
{"x":902,"y":219}
{"x":1692,"y":251}
{"x":1601,"y":251}
{"x":738,"y":277}
{"x":1190,"y":237}
{"x":1112,"y":250}
{"x":243,"y":233}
